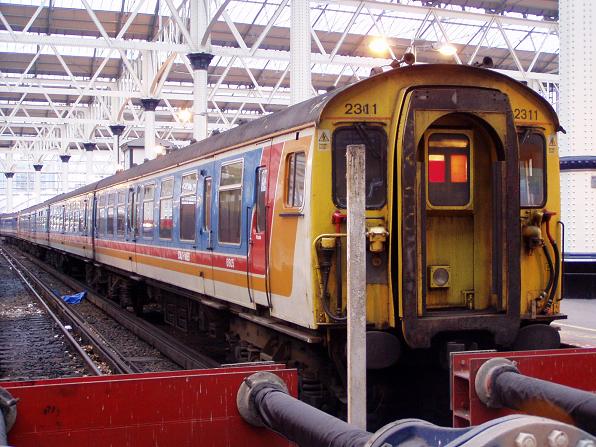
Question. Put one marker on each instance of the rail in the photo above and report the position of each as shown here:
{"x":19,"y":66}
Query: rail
{"x":82,"y":353}
{"x":175,"y":350}
{"x":101,"y":346}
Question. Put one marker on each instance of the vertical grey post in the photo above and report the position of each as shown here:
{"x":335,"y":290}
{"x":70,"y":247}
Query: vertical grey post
{"x":37,"y":185}
{"x":356,"y":283}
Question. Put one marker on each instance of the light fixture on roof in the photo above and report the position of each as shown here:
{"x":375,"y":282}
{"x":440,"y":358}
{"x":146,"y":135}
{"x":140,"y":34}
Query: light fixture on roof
{"x":185,"y":115}
{"x":378,"y":45}
{"x":446,"y":49}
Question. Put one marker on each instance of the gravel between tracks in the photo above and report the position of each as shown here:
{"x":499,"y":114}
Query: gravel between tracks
{"x":137,"y":351}
{"x":31,"y":345}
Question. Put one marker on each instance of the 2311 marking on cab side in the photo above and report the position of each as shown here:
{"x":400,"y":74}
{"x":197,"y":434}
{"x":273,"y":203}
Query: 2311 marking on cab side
{"x":360,"y":109}
{"x":525,"y":114}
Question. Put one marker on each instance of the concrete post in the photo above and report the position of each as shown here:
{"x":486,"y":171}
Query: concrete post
{"x":65,"y":159}
{"x":37,"y":183}
{"x":577,"y":112}
{"x":356,"y":283}
{"x":300,"y":41}
{"x":149,"y":106}
{"x":9,"y":205}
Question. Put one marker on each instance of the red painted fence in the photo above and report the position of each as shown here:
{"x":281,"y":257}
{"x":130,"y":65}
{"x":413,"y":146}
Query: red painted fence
{"x":182,"y":408}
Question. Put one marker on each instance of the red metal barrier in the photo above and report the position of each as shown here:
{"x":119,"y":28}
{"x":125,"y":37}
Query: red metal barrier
{"x":182,"y":408}
{"x":572,"y":367}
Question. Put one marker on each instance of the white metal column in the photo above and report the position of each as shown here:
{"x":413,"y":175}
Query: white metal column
{"x":300,"y":41}
{"x":577,"y":111}
{"x":9,"y":177}
{"x":150,"y":152}
{"x":37,"y":183}
{"x":199,"y":20}
{"x":65,"y":159}
{"x":149,"y":105}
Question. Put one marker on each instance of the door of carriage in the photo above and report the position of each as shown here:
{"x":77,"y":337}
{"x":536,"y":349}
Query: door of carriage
{"x":460,"y":213}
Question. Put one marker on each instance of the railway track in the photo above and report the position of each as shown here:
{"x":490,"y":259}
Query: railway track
{"x":59,"y":312}
{"x":172,"y":348}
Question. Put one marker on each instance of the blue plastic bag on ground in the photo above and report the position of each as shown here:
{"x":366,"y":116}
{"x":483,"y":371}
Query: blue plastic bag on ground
{"x":74,"y":299}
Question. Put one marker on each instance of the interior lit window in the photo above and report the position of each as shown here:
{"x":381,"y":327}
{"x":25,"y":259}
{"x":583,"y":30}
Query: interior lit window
{"x":448,"y":169}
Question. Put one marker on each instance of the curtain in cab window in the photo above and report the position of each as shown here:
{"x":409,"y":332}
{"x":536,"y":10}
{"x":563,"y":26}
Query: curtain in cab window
{"x":296,"y":166}
{"x":532,"y":180}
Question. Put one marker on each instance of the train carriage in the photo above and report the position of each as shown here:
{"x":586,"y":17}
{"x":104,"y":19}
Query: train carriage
{"x":244,"y":233}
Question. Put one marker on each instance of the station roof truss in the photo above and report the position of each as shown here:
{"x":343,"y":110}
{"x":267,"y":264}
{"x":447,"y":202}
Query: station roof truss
{"x":71,"y":68}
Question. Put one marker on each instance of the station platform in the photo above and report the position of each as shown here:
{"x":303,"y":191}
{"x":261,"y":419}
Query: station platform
{"x":579,"y":329}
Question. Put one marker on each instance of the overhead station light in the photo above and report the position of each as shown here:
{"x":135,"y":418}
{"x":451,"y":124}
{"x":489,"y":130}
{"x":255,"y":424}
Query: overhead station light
{"x":378,"y":45}
{"x":184,"y":115}
{"x":446,"y":49}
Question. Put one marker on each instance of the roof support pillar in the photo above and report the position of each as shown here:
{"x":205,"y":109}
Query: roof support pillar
{"x":9,"y":176}
{"x":65,"y":159}
{"x":300,"y":41}
{"x":577,"y":112}
{"x":117,"y":130}
{"x":37,"y":183}
{"x":149,"y":105}
{"x":199,"y":21}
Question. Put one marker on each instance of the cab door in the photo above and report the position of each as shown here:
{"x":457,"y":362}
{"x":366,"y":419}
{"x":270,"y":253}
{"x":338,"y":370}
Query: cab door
{"x":449,"y":218}
{"x":205,"y":239}
{"x":258,"y":262}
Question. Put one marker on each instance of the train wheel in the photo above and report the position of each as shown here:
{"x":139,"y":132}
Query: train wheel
{"x":537,"y":336}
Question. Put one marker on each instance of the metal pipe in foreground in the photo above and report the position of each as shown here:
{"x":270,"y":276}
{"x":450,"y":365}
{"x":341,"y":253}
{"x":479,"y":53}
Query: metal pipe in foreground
{"x":500,"y":384}
{"x":8,"y":415}
{"x":263,"y":400}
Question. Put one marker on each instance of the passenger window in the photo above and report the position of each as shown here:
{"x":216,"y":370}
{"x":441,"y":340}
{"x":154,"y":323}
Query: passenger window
{"x":188,"y":202}
{"x":261,"y":210}
{"x":165,"y":209}
{"x":130,"y":210}
{"x":111,"y":207}
{"x":448,"y":169}
{"x":83,"y":217}
{"x":532,"y":179}
{"x":295,"y":167}
{"x":230,"y":202}
{"x":374,"y":139}
{"x":148,"y":195}
{"x":120,"y":214}
{"x":207,"y":205}
{"x":102,"y":221}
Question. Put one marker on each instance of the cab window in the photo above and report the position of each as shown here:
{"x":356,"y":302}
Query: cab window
{"x":374,"y":139}
{"x":532,"y":178}
{"x":448,"y":169}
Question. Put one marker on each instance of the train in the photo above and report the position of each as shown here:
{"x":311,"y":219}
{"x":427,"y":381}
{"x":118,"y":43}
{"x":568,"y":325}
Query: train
{"x":243,"y":235}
